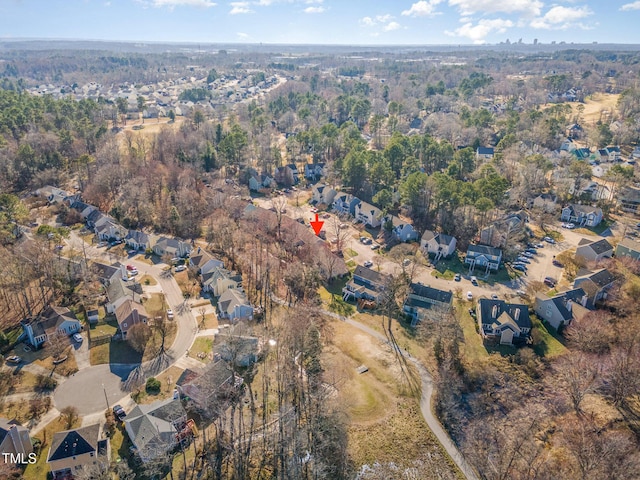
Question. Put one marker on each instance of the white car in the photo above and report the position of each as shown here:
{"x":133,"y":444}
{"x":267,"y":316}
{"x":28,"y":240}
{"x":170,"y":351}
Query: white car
{"x":368,"y":263}
{"x":469,"y":296}
{"x":77,"y":337}
{"x":181,"y":268}
{"x":169,"y":313}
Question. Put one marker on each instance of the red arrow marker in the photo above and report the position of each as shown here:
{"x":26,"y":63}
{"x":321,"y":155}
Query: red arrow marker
{"x":317,"y":225}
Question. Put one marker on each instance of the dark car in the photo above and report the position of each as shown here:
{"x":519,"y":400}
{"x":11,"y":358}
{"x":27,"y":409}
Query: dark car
{"x":556,"y":263}
{"x":531,"y":250}
{"x":520,"y":267}
{"x":551,"y":282}
{"x":119,"y":412}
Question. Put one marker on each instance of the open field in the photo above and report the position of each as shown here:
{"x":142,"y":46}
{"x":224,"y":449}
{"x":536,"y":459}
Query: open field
{"x":597,"y":105}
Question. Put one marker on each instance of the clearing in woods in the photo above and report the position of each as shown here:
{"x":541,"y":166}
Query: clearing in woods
{"x":596,"y":106}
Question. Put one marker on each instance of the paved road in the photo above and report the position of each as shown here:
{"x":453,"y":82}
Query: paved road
{"x":87,"y":389}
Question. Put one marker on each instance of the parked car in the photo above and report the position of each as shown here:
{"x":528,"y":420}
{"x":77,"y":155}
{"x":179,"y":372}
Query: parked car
{"x":131,"y":267}
{"x":314,"y":210}
{"x":169,"y":313}
{"x":474,"y":280}
{"x":181,"y":268}
{"x":494,"y":296}
{"x":532,"y":250}
{"x":522,"y":293}
{"x":344,"y":225}
{"x":539,"y":245}
{"x":469,"y":296}
{"x":133,"y":273}
{"x":520,"y":267}
{"x":528,"y":254}
{"x":551,"y":282}
{"x":549,"y":240}
{"x":368,"y":263}
{"x":15,"y":359}
{"x":119,"y":412}
{"x":101,"y":244}
{"x":523,"y":260}
{"x":375,"y":246}
{"x":457,"y":277}
{"x":571,"y":226}
{"x":556,"y":263}
{"x":365,"y":240}
{"x":77,"y":337}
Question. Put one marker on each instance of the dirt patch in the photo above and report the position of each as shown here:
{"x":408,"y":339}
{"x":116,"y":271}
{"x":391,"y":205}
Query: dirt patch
{"x":598,"y":106}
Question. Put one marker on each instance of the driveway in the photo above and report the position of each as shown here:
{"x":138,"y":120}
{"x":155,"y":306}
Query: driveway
{"x":81,"y":352}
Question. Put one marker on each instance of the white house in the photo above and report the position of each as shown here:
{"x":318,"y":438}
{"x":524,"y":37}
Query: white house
{"x":401,"y":230}
{"x":368,"y":214}
{"x":547,"y":202}
{"x":594,"y":250}
{"x":483,"y":256}
{"x":171,"y":246}
{"x":345,"y":203}
{"x":53,"y":321}
{"x":583,"y":215}
{"x":233,"y":305}
{"x":138,"y":240}
{"x":438,"y":244}
{"x":219,"y":280}
{"x":323,"y":194}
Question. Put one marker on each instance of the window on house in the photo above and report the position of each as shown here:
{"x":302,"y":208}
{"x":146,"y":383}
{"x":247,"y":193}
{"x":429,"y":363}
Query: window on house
{"x":124,"y":325}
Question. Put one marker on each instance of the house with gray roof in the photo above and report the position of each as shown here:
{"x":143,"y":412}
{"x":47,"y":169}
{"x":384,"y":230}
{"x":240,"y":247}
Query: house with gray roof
{"x":628,"y":247}
{"x":14,"y":438}
{"x":239,"y":350}
{"x":53,"y":321}
{"x":203,"y":262}
{"x":403,"y":231}
{"x":130,"y":313}
{"x":107,"y":273}
{"x":209,"y":385}
{"x":595,"y":284}
{"x":422,"y":299}
{"x":438,"y":244}
{"x":234,"y":305}
{"x":582,"y":215}
{"x":483,"y":256}
{"x":219,"y":280}
{"x":120,"y":290}
{"x":139,"y":240}
{"x":560,"y":310}
{"x":171,"y":246}
{"x":594,"y":251}
{"x":502,"y":322}
{"x":498,"y":233}
{"x":345,"y":203}
{"x":154,"y":429}
{"x":72,"y":450}
{"x":368,"y":214}
{"x":365,"y":284}
{"x":53,"y":194}
{"x":110,"y":230}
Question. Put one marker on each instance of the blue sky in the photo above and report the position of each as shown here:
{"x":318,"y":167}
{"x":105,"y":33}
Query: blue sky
{"x":361,"y":22}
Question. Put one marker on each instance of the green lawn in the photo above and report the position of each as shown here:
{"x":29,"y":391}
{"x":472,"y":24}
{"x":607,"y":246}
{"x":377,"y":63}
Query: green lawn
{"x":474,"y":348}
{"x":104,"y":328}
{"x":350,"y":252}
{"x":447,"y":268}
{"x":114,"y":352}
{"x":201,"y":349}
{"x":547,"y":342}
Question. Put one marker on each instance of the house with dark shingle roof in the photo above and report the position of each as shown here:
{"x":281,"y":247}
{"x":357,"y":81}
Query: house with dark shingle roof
{"x":560,"y":310}
{"x":594,"y":283}
{"x":139,"y":240}
{"x":628,"y":247}
{"x":484,"y":153}
{"x":502,"y":322}
{"x":594,"y":250}
{"x":153,"y":429}
{"x":71,"y":450}
{"x":438,"y":244}
{"x":130,"y":313}
{"x":423,"y":298}
{"x":14,"y":438}
{"x":365,"y":284}
{"x":483,"y":256}
{"x":53,"y":321}
{"x":583,"y":215}
{"x":208,"y":384}
{"x":171,"y":246}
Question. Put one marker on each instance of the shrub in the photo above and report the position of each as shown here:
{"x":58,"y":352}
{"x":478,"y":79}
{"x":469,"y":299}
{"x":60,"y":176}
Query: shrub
{"x":43,"y":382}
{"x":153,"y":385}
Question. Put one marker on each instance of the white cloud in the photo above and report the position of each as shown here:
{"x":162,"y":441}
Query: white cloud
{"x":559,"y":17}
{"x":630,"y":6}
{"x":477,"y":33}
{"x":243,"y":36}
{"x":527,"y":7}
{"x":391,"y":26}
{"x":423,"y":8}
{"x":183,"y":3}
{"x":314,"y":10}
{"x":238,"y":8}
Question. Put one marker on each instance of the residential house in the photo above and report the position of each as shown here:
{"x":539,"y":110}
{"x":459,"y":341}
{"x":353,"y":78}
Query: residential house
{"x":498,"y":233}
{"x":155,"y":429}
{"x":547,"y":202}
{"x":203,"y":262}
{"x":594,"y":251}
{"x":130,"y":313}
{"x":438,"y":244}
{"x":207,"y":385}
{"x":14,"y":438}
{"x":559,"y":310}
{"x":94,"y":217}
{"x":52,"y":322}
{"x":92,"y":314}
{"x":171,"y":246}
{"x":53,"y":194}
{"x":368,"y":214}
{"x":595,"y":284}
{"x":258,"y":182}
{"x":234,"y":305}
{"x":321,"y":193}
{"x":120,"y":290}
{"x":139,"y":240}
{"x":582,"y":153}
{"x":239,"y":350}
{"x":574,"y":131}
{"x":628,"y":247}
{"x":629,"y":199}
{"x":484,"y":153}
{"x":483,"y":256}
{"x":403,"y":231}
{"x":287,"y":175}
{"x":365,"y":284}
{"x":609,"y":154}
{"x":72,"y":450}
{"x":583,"y":215}
{"x":423,"y":298}
{"x":110,"y":230}
{"x":345,"y":203}
{"x":219,"y":280}
{"x":504,"y":323}
{"x":107,"y":273}
{"x":314,"y":171}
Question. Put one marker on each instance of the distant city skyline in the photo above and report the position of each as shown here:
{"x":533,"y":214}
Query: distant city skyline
{"x":344,"y":22}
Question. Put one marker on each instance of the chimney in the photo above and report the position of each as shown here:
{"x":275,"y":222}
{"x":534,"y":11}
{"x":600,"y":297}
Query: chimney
{"x":135,"y":316}
{"x":494,"y":311}
{"x":585,"y":298}
{"x":516,"y":314}
{"x":568,"y":304}
{"x":123,"y":272}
